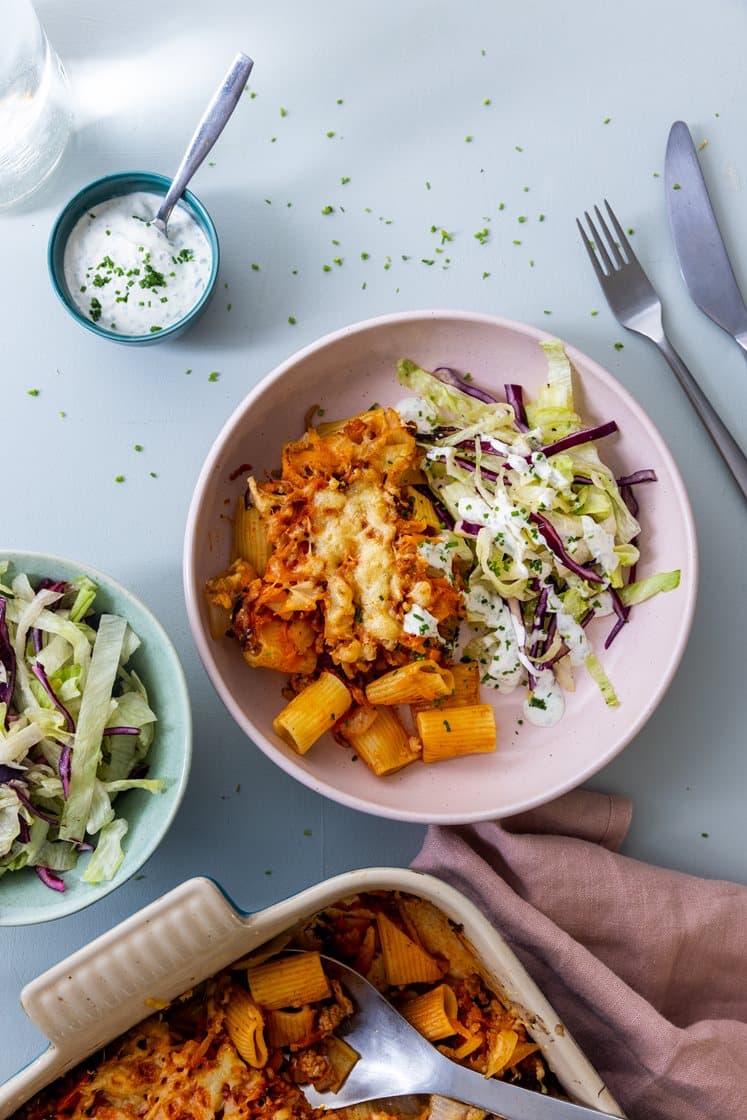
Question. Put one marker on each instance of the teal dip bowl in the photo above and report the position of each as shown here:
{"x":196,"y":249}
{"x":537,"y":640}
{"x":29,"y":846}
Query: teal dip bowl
{"x":24,"y":899}
{"x":110,"y":186}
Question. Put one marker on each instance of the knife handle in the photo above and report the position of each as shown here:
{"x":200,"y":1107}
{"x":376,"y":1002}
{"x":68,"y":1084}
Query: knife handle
{"x":727,"y":446}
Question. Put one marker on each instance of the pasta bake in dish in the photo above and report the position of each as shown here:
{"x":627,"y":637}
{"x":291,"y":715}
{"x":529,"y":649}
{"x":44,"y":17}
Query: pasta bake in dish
{"x":243,"y":1044}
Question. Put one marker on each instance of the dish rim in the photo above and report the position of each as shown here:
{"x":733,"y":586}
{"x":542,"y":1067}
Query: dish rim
{"x":294,"y":766}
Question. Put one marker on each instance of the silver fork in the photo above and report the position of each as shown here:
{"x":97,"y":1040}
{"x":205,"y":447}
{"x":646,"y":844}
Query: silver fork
{"x":636,"y":306}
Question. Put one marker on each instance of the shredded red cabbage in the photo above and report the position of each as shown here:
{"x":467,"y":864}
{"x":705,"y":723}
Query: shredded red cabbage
{"x":441,"y":511}
{"x":636,"y":477}
{"x":515,"y":397}
{"x":54,"y":882}
{"x":585,"y":436}
{"x":28,"y":803}
{"x":121,"y":731}
{"x":622,"y":613}
{"x":468,"y":465}
{"x":555,"y":544}
{"x":7,"y":662}
{"x":43,"y":679}
{"x":451,"y":377}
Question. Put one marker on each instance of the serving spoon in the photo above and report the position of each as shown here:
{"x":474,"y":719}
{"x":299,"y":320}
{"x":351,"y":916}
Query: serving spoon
{"x":395,"y":1060}
{"x":212,"y":123}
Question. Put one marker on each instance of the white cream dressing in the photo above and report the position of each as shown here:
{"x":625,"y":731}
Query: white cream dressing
{"x":601,"y":544}
{"x":422,"y":623}
{"x":125,"y":275}
{"x":418,"y":411}
{"x":544,"y":706}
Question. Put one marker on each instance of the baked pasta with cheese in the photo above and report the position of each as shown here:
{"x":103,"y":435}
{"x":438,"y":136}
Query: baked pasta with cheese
{"x":242,"y":1045}
{"x":345,"y":579}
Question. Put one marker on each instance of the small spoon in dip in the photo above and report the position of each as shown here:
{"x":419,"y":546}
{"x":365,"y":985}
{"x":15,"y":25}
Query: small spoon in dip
{"x":212,"y":123}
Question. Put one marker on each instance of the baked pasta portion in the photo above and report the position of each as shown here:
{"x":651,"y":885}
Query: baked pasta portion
{"x":345,"y":579}
{"x":242,"y":1045}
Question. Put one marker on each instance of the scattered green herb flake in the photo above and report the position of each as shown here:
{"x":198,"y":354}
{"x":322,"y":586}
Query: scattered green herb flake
{"x":676,"y":187}
{"x":138,"y":447}
{"x":468,"y":139}
{"x":606,"y":120}
{"x":447,"y":725}
{"x":516,"y":242}
{"x":541,"y":218}
{"x":485,"y":275}
{"x":536,"y":702}
{"x":326,"y":268}
{"x":255,"y":267}
{"x":95,"y":311}
{"x":594,"y":312}
{"x":365,"y":256}
{"x":33,"y":392}
{"x":307,"y":832}
{"x":703,"y":144}
{"x":427,"y":185}
{"x":153,"y":474}
{"x":518,"y":147}
{"x":546,"y":312}
{"x":618,"y":346}
{"x":119,"y":478}
{"x":213,"y":376}
{"x":482,"y":235}
{"x":62,"y":415}
{"x":340,"y":101}
{"x":268,"y":872}
{"x":153,"y":329}
{"x":501,"y":205}
{"x":187,"y":372}
{"x":344,"y":180}
{"x":486,"y":101}
{"x":292,"y":320}
{"x":328,"y":209}
{"x":522,"y":218}
{"x":283,"y":112}
{"x":229,"y":306}
{"x":268,"y":201}
{"x":705,"y":835}
{"x":330,"y":134}
{"x":425,"y":261}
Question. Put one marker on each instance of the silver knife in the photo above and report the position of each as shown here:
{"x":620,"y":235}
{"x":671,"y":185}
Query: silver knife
{"x":704,"y":263}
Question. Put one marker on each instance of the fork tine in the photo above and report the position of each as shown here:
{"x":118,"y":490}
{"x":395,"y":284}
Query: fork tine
{"x":620,"y":232}
{"x":614,"y":247}
{"x":601,"y":247}
{"x":592,"y":255}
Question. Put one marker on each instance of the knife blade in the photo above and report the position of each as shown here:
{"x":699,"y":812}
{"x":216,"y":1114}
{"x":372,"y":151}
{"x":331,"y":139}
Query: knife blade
{"x":704,"y":262}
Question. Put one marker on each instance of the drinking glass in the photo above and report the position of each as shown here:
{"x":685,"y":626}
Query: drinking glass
{"x":35,"y":113}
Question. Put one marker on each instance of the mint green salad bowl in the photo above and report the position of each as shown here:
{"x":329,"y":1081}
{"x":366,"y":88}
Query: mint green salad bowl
{"x":24,"y":898}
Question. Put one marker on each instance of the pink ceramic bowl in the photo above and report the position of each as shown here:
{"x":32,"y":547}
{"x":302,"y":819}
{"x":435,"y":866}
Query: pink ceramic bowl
{"x":346,"y":372}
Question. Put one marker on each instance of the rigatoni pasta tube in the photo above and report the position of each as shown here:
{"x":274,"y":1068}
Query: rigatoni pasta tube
{"x":466,"y":676}
{"x":289,"y":1028}
{"x":341,"y":1057}
{"x":384,"y":745}
{"x":312,"y":712}
{"x":245,"y":1026}
{"x":249,"y":536}
{"x":422,"y":508}
{"x":433,"y":1014}
{"x":405,"y":961}
{"x":420,"y":680}
{"x":289,"y":982}
{"x":457,"y":731}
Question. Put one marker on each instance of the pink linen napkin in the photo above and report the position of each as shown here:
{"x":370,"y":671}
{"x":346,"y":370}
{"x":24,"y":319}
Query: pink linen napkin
{"x":647,"y":967}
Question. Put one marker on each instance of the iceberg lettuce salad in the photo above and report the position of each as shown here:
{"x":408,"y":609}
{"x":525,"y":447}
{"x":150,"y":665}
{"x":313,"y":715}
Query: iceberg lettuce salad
{"x":551,"y":533}
{"x":75,"y":729}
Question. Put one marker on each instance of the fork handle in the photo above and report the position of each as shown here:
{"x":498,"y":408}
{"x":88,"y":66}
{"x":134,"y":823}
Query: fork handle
{"x":727,"y":446}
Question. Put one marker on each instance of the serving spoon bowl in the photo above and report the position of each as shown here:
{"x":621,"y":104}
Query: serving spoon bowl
{"x":395,"y":1060}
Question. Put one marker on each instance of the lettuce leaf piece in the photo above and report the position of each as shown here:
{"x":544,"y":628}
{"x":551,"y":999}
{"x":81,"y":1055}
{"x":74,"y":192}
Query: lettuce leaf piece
{"x":450,"y":402}
{"x":94,"y":713}
{"x":107,"y":859}
{"x":644,"y":589}
{"x":598,"y":675}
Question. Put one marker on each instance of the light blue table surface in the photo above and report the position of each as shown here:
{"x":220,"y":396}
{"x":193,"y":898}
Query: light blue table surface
{"x":462,"y":116}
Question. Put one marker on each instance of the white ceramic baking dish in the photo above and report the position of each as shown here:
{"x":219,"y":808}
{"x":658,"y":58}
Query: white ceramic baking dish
{"x":192,"y":932}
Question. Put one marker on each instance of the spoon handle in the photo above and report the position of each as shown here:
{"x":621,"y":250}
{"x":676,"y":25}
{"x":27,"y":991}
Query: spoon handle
{"x":211,"y":125}
{"x":503,"y":1099}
